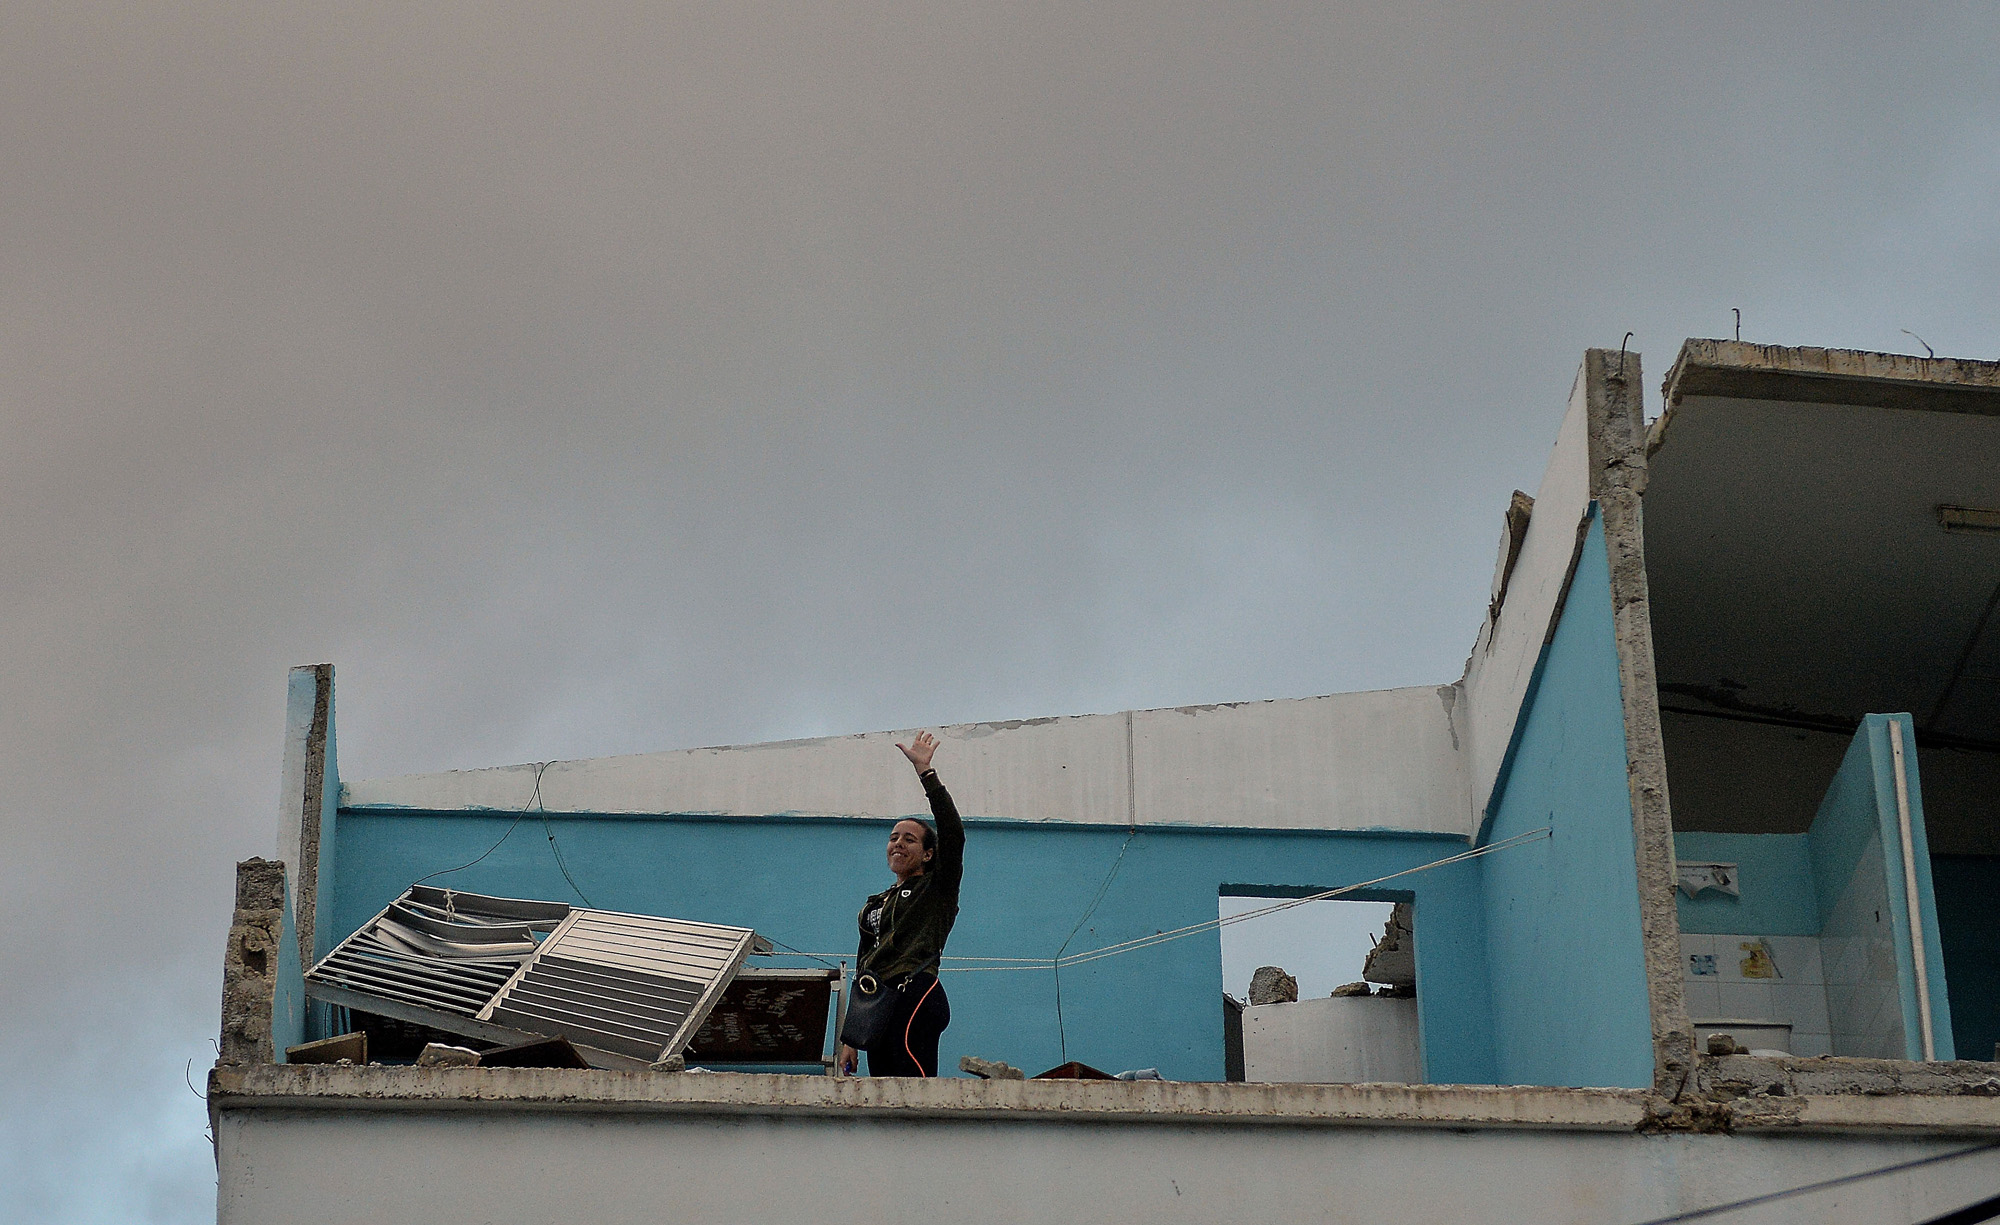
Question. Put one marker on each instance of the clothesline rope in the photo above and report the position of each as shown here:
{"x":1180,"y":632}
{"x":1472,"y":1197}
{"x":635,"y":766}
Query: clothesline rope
{"x":1195,"y":929}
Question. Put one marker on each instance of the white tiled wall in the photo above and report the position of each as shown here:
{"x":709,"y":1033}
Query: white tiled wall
{"x":1862,"y":992}
{"x":1798,"y":996}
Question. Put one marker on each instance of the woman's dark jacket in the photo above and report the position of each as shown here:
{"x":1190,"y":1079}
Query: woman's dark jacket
{"x":917,"y":915}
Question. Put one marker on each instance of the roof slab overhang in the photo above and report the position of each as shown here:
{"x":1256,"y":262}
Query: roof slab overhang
{"x":1797,"y":566}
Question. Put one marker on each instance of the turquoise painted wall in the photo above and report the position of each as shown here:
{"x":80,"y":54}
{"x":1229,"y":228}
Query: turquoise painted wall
{"x":1774,"y":874}
{"x":1967,"y":887}
{"x":800,"y":881}
{"x":288,"y":997}
{"x":1850,"y":818}
{"x":1860,"y":809}
{"x":1562,"y":914}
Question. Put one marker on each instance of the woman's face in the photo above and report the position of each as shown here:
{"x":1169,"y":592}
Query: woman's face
{"x":907,"y":855}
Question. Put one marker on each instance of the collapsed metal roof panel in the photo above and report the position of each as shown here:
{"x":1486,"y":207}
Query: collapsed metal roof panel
{"x":628,"y":990}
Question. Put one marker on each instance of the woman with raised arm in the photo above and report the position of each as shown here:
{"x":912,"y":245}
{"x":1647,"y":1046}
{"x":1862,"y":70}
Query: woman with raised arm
{"x":897,"y":1009}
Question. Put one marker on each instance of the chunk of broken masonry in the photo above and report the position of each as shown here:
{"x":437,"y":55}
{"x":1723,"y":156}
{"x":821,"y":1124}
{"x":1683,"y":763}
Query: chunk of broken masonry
{"x":1271,"y":985}
{"x":672,"y":1063}
{"x":439,"y":1055}
{"x":1346,"y":989}
{"x":1723,"y":1044}
{"x":1393,"y":960}
{"x":990,"y":1069}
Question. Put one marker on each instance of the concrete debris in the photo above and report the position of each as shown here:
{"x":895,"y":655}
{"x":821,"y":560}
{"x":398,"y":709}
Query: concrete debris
{"x":1394,"y":958}
{"x":990,"y":1069}
{"x":672,"y":1063}
{"x":1140,"y":1074}
{"x":347,"y":1048}
{"x":1723,"y":1044}
{"x":1346,"y":989}
{"x":1399,"y":991}
{"x":438,"y":1055}
{"x":1271,"y":985}
{"x":1793,"y":1076}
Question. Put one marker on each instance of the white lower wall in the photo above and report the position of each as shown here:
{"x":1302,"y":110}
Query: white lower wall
{"x":463,"y":1166}
{"x":1386,"y":759}
{"x":1343,"y":1041}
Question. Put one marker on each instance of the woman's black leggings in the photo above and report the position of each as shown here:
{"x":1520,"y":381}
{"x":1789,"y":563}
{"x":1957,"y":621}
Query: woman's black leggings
{"x":911,"y":1046}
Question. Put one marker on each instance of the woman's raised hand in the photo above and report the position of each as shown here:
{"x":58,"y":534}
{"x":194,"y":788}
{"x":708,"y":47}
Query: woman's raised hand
{"x":920,"y":750}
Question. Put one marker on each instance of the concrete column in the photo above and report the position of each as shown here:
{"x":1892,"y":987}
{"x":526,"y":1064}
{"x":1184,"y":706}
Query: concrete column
{"x":1617,"y":429}
{"x":308,"y":799}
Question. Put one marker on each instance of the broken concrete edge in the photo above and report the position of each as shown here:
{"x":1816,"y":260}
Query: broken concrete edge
{"x":1735,"y":369}
{"x":310,"y":781}
{"x":1830,"y":1094}
{"x":250,"y":964}
{"x":1949,"y":1110}
{"x":1726,"y":1077}
{"x":1616,"y":422}
{"x":312,"y":834}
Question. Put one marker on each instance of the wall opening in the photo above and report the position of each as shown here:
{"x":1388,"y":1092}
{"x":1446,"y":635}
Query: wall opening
{"x":1320,"y":992}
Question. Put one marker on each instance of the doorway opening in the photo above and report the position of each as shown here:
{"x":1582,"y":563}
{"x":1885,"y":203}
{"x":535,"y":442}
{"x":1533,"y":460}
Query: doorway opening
{"x":1322,"y":991}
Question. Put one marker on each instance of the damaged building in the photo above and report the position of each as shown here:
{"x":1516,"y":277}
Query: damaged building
{"x":1693,"y":865}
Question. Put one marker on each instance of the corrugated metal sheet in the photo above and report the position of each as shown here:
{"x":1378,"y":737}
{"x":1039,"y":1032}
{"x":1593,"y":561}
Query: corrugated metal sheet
{"x":626,"y":989}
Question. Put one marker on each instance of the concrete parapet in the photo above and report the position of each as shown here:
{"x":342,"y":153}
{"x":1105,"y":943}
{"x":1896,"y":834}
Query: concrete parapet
{"x":1738,"y":1095}
{"x":293,"y":1087}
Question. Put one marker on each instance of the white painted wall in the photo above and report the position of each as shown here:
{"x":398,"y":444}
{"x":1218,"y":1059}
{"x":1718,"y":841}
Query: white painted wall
{"x":472,"y":1167}
{"x":1503,"y":659}
{"x":1389,"y":759}
{"x":1350,"y":1040}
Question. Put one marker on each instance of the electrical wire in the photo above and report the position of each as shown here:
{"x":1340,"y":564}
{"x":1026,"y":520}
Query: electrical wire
{"x":559,"y":855}
{"x":1827,"y":1184}
{"x":534,"y":804}
{"x":825,"y":959}
{"x":1010,"y":964}
{"x":1062,"y":1034}
{"x":533,"y":800}
{"x":1195,"y":929}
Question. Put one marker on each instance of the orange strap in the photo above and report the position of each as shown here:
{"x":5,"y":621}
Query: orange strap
{"x":912,"y":1021}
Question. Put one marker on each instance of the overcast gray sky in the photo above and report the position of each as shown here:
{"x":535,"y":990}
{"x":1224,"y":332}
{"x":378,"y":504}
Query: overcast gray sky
{"x":585,"y":379}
